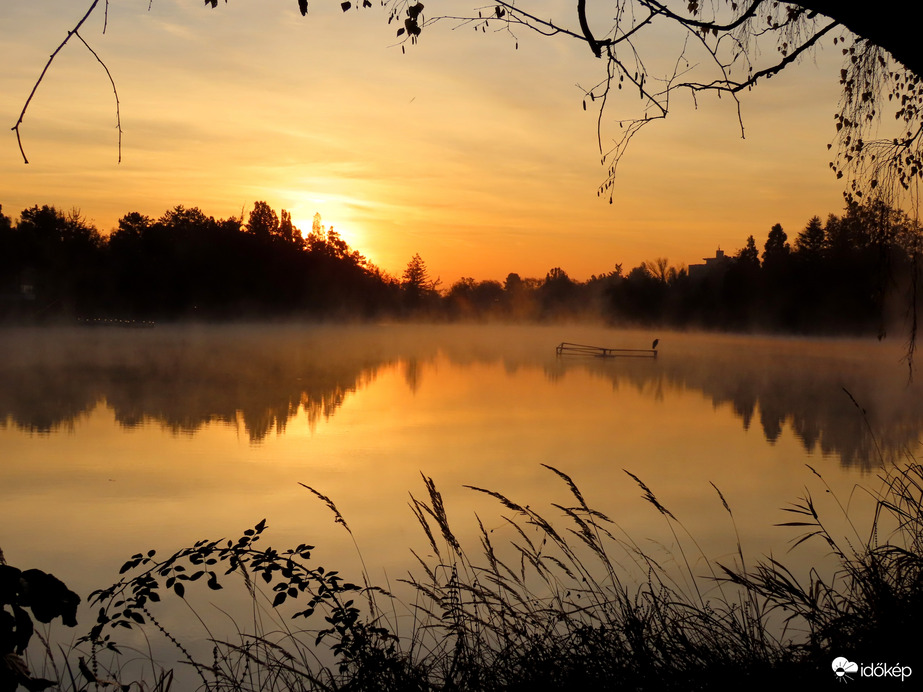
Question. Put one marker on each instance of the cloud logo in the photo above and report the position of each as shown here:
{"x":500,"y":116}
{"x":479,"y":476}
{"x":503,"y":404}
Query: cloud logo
{"x":842,"y":666}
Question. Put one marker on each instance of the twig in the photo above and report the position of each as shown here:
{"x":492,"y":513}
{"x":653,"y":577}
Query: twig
{"x":57,"y":50}
{"x":118,"y":116}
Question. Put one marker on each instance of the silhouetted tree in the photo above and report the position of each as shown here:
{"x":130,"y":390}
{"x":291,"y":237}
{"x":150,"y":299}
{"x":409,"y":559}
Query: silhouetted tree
{"x":62,"y":252}
{"x":837,"y":239}
{"x":519,"y":297}
{"x":657,"y":268}
{"x":557,"y":293}
{"x":6,"y":224}
{"x":132,"y":225}
{"x":263,"y":221}
{"x":778,"y":295}
{"x":809,"y":244}
{"x":417,"y":286}
{"x":133,"y":258}
{"x":287,"y":230}
{"x":471,"y":299}
{"x":416,"y":277}
{"x":10,"y":267}
{"x":776,"y":249}
{"x":809,"y":279}
{"x":488,"y":295}
{"x":188,"y":264}
{"x":639,"y":297}
{"x":741,"y":287}
{"x":749,"y":255}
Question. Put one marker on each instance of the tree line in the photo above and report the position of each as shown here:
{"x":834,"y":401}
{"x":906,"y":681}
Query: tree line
{"x":184,"y":265}
{"x":853,"y":273}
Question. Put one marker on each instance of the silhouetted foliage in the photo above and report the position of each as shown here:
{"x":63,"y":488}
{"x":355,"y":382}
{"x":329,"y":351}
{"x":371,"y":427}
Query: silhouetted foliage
{"x":749,"y":255}
{"x":850,"y":274}
{"x":776,"y":250}
{"x":263,"y":221}
{"x":727,"y":48}
{"x":47,"y":598}
{"x":51,"y":262}
{"x":595,"y":612}
{"x":183,"y":265}
{"x":470,"y":299}
{"x":419,"y":290}
{"x":809,"y":245}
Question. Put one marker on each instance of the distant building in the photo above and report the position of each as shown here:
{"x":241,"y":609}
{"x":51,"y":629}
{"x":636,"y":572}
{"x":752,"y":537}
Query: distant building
{"x":17,"y":296}
{"x":27,"y":284}
{"x":19,"y":287}
{"x":713,"y":266}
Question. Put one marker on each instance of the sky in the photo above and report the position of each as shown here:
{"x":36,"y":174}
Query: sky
{"x":471,"y":148}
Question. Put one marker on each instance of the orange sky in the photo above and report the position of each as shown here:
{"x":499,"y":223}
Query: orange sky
{"x":472,"y":153}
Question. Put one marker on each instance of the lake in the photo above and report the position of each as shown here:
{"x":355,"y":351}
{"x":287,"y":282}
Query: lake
{"x":114,"y":441}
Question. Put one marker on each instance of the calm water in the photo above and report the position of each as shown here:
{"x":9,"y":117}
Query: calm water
{"x":113,"y":442}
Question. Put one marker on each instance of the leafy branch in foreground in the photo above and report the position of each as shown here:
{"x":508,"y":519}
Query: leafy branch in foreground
{"x":47,"y":598}
{"x":126,"y":604}
{"x":571,"y":603}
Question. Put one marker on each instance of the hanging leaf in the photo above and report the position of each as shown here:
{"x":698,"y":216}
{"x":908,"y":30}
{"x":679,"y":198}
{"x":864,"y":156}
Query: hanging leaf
{"x":414,"y":10}
{"x":413,"y":29}
{"x":303,"y":6}
{"x":345,"y":6}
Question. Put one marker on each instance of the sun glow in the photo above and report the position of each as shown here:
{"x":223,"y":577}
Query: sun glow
{"x":350,"y":232}
{"x":403,"y":154}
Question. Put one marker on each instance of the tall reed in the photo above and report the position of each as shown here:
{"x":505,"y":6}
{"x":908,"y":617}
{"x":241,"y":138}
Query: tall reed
{"x":551,"y":607}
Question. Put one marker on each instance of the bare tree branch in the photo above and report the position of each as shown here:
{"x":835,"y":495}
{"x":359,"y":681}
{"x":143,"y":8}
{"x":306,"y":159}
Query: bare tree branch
{"x":719,"y":51}
{"x":585,"y":28}
{"x":57,"y":50}
{"x":118,"y":116}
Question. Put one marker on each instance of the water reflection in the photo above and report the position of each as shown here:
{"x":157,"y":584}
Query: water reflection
{"x":182,"y":379}
{"x":849,"y":399}
{"x":831,"y":394}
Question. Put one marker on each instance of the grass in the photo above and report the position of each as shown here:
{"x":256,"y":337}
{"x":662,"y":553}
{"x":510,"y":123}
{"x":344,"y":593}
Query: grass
{"x":551,"y":608}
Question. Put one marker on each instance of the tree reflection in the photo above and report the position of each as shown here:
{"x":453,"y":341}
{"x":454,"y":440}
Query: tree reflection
{"x":845,"y":406}
{"x":833,"y":401}
{"x":258,"y":379}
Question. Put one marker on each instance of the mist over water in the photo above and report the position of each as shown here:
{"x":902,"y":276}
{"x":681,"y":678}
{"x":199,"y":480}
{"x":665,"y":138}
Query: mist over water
{"x":832,"y":394}
{"x":116,"y":441}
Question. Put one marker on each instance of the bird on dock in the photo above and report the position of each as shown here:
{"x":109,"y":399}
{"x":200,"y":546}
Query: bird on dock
{"x":654,"y":345}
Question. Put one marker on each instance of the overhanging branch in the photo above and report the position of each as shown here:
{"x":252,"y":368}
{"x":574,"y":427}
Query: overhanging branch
{"x":57,"y":50}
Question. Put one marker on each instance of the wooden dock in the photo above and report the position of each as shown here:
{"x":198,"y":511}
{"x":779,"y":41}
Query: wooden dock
{"x":565,"y":348}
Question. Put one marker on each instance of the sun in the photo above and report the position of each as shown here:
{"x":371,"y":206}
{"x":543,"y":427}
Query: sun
{"x":349,"y":232}
{"x":339,"y":213}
